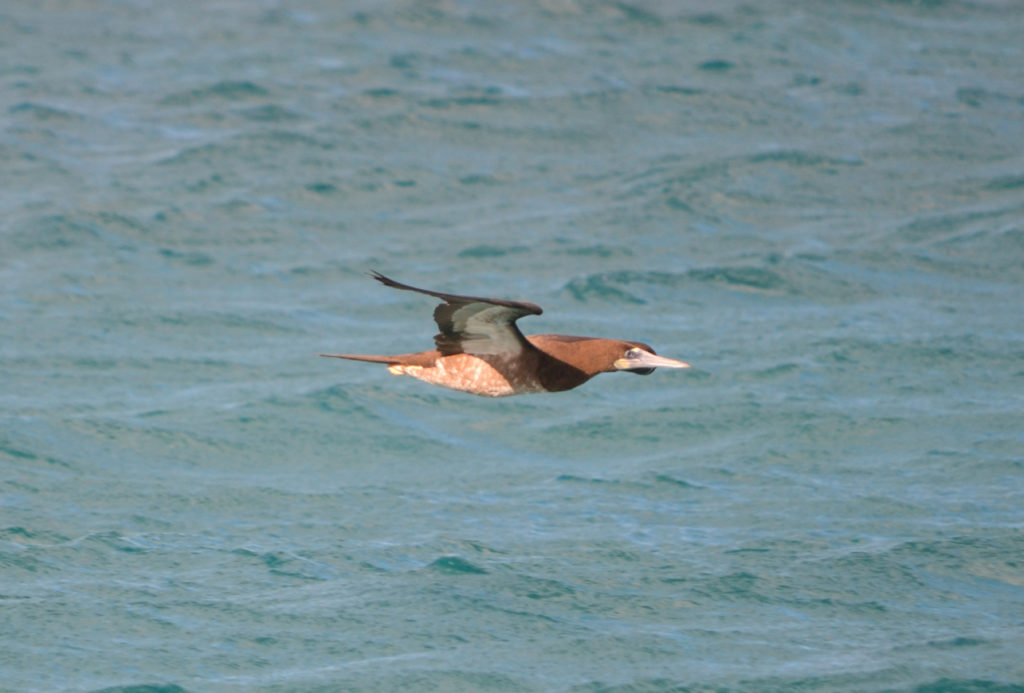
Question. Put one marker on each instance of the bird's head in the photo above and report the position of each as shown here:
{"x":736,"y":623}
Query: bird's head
{"x":639,"y":358}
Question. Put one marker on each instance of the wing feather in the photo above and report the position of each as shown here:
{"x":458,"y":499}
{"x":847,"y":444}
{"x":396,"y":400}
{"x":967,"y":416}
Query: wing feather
{"x":474,"y":325}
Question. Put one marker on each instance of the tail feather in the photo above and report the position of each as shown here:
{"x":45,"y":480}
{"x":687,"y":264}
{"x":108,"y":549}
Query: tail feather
{"x":390,"y":360}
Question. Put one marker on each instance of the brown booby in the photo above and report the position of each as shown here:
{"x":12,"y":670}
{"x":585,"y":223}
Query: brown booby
{"x":481,"y":351}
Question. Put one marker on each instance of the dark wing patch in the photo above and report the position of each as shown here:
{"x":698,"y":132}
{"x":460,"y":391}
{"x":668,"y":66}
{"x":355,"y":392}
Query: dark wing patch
{"x":473,"y":325}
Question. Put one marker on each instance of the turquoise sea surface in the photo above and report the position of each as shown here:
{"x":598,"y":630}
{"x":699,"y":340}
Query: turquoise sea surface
{"x":818,"y":204}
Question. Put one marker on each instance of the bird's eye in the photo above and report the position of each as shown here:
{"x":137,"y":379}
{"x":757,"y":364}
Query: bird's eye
{"x":633,"y":353}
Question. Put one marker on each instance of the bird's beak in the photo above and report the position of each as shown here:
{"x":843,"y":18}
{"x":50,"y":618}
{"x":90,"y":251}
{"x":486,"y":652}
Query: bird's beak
{"x":648,"y":360}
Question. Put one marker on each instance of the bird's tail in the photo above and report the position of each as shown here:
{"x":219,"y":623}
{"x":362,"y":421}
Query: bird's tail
{"x":390,"y":360}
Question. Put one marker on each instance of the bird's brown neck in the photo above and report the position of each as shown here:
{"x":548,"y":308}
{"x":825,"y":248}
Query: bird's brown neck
{"x":567,"y":361}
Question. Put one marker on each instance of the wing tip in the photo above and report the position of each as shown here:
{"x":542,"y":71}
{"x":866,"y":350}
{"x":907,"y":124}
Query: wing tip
{"x":386,"y":281}
{"x":530,"y":308}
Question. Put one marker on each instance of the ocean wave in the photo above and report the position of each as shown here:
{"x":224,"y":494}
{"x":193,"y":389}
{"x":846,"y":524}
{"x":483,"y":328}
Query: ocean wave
{"x":776,"y":276}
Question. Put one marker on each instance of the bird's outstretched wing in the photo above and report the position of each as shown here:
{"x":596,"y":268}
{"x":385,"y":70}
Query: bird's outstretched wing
{"x":472,"y":325}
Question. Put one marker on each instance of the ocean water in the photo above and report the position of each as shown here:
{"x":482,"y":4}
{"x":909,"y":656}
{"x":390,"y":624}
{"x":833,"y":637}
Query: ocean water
{"x":818,"y":204}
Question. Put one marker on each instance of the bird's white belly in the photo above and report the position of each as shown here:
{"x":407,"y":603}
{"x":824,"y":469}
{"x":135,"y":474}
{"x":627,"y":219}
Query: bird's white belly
{"x":473,"y":374}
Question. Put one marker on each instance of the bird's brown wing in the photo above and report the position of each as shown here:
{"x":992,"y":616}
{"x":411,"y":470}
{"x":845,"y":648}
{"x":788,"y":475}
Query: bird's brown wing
{"x":472,"y":325}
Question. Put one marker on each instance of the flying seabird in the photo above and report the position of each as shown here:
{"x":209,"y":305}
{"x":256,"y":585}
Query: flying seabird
{"x":481,"y":351}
